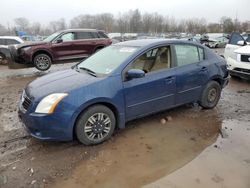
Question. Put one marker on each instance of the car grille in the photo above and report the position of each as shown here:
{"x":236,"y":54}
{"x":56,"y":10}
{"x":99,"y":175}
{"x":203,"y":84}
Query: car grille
{"x":26,"y":101}
{"x":245,"y":58}
{"x":242,"y":70}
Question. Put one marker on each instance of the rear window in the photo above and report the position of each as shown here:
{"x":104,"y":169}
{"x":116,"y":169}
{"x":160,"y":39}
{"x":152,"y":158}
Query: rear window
{"x":84,"y":35}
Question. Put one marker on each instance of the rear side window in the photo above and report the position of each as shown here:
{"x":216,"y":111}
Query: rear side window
{"x":102,"y":35}
{"x":84,"y":35}
{"x":2,"y":42}
{"x":11,"y":41}
{"x":187,"y":54}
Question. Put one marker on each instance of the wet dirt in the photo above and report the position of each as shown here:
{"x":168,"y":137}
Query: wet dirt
{"x":144,"y":152}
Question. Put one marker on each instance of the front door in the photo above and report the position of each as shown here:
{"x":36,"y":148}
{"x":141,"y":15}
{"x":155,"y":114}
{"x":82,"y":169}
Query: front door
{"x":155,"y":91}
{"x":63,"y":50}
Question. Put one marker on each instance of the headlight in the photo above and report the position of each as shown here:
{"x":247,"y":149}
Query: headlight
{"x":47,"y":104}
{"x":26,"y":48}
{"x":238,"y":57}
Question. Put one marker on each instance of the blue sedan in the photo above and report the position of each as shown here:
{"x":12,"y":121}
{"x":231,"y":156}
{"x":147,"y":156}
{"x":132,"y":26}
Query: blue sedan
{"x":122,"y":82}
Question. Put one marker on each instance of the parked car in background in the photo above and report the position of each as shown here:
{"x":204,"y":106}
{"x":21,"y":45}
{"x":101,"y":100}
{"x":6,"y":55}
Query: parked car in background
{"x":64,"y":45}
{"x":10,"y":40}
{"x":3,"y":54}
{"x":5,"y":41}
{"x":237,"y":54}
{"x":124,"y":81}
{"x":214,"y":40}
{"x":218,"y":42}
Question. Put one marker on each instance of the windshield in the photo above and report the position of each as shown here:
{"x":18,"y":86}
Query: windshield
{"x":51,"y":37}
{"x":107,"y":60}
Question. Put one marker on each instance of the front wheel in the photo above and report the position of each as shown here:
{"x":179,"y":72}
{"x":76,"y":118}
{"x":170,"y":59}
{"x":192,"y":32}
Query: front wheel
{"x":210,"y":95}
{"x":95,"y":125}
{"x":2,"y":59}
{"x":42,"y":62}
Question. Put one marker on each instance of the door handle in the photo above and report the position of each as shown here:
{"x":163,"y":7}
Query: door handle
{"x":203,"y":69}
{"x":169,"y":79}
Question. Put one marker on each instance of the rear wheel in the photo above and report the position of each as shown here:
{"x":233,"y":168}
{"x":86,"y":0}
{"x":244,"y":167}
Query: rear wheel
{"x":95,"y":125}
{"x":210,"y":95}
{"x":42,"y":62}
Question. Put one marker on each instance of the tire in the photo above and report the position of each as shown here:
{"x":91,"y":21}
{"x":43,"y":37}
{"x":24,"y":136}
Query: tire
{"x":2,"y":58}
{"x":210,"y":95}
{"x":95,"y":125}
{"x":42,"y":62}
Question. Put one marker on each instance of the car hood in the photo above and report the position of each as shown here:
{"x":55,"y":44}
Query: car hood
{"x":26,"y":44}
{"x":59,"y":82}
{"x":243,"y":50}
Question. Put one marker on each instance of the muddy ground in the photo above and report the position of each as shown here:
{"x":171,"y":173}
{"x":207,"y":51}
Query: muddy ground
{"x":139,"y":155}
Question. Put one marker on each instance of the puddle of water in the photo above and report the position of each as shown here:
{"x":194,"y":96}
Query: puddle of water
{"x":226,"y":163}
{"x":146,"y":152}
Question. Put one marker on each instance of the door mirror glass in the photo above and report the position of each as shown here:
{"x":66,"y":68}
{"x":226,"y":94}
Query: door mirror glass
{"x":241,"y":43}
{"x":135,"y":73}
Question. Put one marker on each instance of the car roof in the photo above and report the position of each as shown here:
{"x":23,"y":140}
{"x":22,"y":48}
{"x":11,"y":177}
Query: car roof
{"x":79,"y":29}
{"x":10,"y":37}
{"x":149,"y":42}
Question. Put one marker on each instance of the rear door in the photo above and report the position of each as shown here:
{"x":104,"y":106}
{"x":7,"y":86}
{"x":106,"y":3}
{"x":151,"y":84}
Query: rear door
{"x":191,"y":72}
{"x":85,"y":43}
{"x":232,"y":46}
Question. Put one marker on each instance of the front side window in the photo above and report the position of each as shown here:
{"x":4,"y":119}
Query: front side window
{"x":186,"y":54}
{"x":153,"y":60}
{"x":67,"y":37}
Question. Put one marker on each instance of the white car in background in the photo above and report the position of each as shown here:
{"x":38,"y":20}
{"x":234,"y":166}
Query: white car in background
{"x":237,"y":55}
{"x":5,"y":41}
{"x":10,"y":40}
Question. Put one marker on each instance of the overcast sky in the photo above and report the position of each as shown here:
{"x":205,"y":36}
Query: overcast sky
{"x":47,"y":10}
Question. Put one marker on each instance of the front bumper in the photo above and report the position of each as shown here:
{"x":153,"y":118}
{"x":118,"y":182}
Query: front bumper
{"x":52,"y":127}
{"x":20,"y":56}
{"x":238,"y":68}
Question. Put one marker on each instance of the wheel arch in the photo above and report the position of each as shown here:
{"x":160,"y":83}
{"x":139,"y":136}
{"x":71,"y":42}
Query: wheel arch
{"x":42,"y":51}
{"x":98,"y":47}
{"x":109,"y":105}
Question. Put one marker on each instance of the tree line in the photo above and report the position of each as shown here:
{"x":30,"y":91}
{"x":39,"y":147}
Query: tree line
{"x":132,"y":21}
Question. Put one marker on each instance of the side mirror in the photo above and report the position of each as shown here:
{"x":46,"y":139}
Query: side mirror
{"x":59,"y":40}
{"x":241,"y":43}
{"x":135,"y":73}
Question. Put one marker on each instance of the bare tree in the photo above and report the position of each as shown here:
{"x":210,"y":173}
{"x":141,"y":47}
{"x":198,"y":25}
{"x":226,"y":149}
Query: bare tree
{"x":58,"y":25}
{"x":22,"y":23}
{"x":227,"y":24}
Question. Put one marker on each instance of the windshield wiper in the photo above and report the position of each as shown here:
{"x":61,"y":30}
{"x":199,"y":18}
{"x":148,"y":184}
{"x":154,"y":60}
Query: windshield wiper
{"x":88,"y":71}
